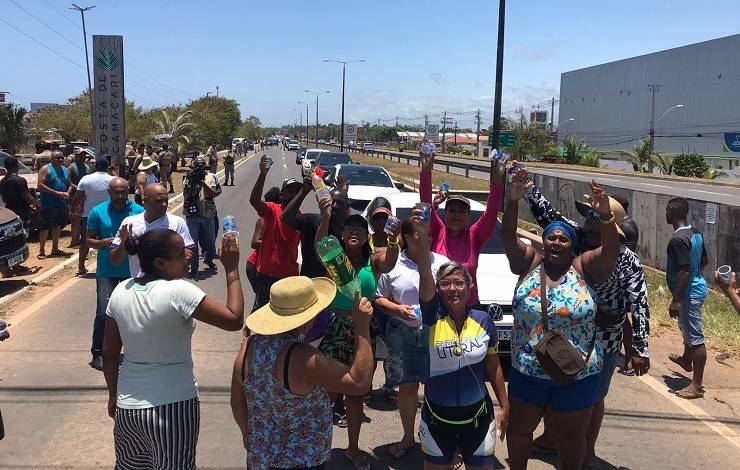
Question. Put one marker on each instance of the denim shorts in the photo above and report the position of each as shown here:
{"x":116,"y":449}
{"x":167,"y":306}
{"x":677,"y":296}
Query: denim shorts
{"x":575,"y":396}
{"x":690,"y":322}
{"x":408,"y":353}
{"x":607,"y":372}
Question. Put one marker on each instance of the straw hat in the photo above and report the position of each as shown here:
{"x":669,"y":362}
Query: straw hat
{"x":147,"y":162}
{"x":617,"y":210}
{"x":294,"y":301}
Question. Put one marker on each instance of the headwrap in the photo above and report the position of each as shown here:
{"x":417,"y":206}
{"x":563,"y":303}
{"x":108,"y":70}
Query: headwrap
{"x":567,"y":229}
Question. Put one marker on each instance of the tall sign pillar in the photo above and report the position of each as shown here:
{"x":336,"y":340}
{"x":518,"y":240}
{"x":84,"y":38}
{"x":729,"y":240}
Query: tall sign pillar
{"x":109,"y":111}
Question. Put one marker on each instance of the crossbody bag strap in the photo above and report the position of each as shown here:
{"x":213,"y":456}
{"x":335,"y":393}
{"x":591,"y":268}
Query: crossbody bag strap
{"x":592,"y":344}
{"x":543,"y":296}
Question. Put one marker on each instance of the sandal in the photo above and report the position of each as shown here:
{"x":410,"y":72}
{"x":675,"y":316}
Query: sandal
{"x":675,"y":358}
{"x":628,"y":371}
{"x":457,"y":462}
{"x":399,"y":449}
{"x":40,"y":256}
{"x":690,"y":394}
{"x":360,"y":464}
{"x":58,"y":254}
{"x":340,"y":420}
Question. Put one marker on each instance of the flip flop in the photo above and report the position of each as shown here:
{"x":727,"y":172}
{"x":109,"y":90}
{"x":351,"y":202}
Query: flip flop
{"x":457,"y":462}
{"x":629,"y":372}
{"x":690,"y":394}
{"x":40,"y":256}
{"x":398,"y":449}
{"x":81,"y":273}
{"x":363,"y":464}
{"x":340,"y":420}
{"x":58,"y":254}
{"x":676,"y":359}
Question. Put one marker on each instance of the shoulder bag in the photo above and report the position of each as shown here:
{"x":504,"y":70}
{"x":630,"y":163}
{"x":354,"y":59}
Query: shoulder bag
{"x":560,"y":359}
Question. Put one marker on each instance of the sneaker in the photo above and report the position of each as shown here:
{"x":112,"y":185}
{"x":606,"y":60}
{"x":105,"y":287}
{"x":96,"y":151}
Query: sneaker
{"x":211,"y":266}
{"x":97,"y":363}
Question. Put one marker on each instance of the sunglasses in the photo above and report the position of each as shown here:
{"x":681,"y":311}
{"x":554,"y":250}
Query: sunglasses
{"x":355,"y":228}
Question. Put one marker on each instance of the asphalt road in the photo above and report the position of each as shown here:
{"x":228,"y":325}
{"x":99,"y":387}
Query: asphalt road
{"x":54,"y":404}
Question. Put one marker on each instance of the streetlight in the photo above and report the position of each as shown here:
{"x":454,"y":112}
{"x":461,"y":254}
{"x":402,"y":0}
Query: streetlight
{"x":82,"y":11}
{"x":567,"y":120}
{"x":301,"y":102}
{"x":668,"y":111}
{"x":317,"y":93}
{"x":653,"y":121}
{"x":344,"y":66}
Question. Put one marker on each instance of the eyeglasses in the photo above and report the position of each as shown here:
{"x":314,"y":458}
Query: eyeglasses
{"x":459,"y":284}
{"x":355,"y":228}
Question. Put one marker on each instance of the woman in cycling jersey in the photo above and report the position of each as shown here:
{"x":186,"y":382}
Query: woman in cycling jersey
{"x":457,"y":412}
{"x":571,"y":310}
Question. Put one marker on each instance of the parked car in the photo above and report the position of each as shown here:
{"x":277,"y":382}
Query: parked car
{"x":366,"y":182}
{"x":368,"y":147}
{"x":23,"y":171}
{"x":13,"y":247}
{"x":309,"y":159}
{"x":299,"y":154}
{"x":293,"y":145}
{"x":271,"y":141}
{"x":328,"y":160}
{"x":496,"y":283}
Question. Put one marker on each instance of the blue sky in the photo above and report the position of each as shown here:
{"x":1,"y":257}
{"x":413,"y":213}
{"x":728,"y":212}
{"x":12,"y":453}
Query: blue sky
{"x":422,"y":57}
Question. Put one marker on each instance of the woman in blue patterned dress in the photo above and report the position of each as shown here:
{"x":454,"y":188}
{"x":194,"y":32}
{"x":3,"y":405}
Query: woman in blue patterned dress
{"x":571,"y":310}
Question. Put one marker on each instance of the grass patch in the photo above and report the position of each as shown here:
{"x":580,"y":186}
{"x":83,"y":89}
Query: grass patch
{"x":721,"y":325}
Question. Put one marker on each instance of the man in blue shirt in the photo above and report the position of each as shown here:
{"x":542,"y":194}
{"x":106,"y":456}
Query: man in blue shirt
{"x":686,"y":259}
{"x":103,"y":223}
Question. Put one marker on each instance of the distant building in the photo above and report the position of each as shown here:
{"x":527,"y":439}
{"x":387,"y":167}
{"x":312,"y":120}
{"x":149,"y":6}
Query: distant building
{"x":696,"y":95}
{"x":36,"y":107}
{"x":539,"y":118}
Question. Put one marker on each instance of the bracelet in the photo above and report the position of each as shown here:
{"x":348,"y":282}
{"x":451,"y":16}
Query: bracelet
{"x":607,"y":222}
{"x":393,"y":242}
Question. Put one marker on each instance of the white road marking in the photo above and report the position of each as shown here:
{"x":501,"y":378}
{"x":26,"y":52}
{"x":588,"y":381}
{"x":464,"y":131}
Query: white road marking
{"x":693,"y":410}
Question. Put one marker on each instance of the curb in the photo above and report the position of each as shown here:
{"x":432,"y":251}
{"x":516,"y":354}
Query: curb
{"x":75,"y":257}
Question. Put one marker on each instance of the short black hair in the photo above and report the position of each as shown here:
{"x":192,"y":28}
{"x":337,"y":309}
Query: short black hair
{"x":273,"y":195}
{"x":679,"y":207}
{"x":151,"y":245}
{"x":11,"y":163}
{"x":623,"y":201}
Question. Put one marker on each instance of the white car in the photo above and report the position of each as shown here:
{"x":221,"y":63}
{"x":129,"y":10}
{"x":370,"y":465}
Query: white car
{"x":293,"y":145}
{"x":368,"y":147}
{"x":366,"y":182}
{"x":496,"y":282}
{"x":309,"y":159}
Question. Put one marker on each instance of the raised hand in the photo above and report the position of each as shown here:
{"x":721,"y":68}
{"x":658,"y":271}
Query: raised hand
{"x":325,"y":207}
{"x":342,"y":185}
{"x":519,"y":185}
{"x":599,"y":201}
{"x":124,"y":233}
{"x":498,"y":172}
{"x":362,"y":310}
{"x":229,"y":253}
{"x":427,"y":161}
{"x":264,"y":164}
{"x":439,"y":198}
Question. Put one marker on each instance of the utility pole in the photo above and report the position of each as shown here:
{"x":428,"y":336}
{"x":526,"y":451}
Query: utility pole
{"x":444,"y":129}
{"x":654,"y":87}
{"x":216,"y":91}
{"x":477,"y":132}
{"x":344,"y":66}
{"x":317,"y":93}
{"x":455,"y":133}
{"x":82,"y":11}
{"x":496,"y":137}
{"x":552,"y":113}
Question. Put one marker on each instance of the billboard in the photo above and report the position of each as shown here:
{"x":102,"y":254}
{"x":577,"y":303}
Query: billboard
{"x":109,"y":104}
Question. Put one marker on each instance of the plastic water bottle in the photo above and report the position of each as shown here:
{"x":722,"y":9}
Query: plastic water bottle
{"x":444,"y":186}
{"x":428,"y":148}
{"x":499,"y":156}
{"x":230,"y":229}
{"x":338,"y":266}
{"x":321,"y":189}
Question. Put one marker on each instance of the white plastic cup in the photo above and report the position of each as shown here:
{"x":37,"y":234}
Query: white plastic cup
{"x":725,"y":273}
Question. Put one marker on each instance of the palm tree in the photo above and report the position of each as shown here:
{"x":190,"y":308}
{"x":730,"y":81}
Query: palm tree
{"x":177,"y":131}
{"x":12,"y":127}
{"x":574,"y":149}
{"x":641,"y":156}
{"x":664,"y":163}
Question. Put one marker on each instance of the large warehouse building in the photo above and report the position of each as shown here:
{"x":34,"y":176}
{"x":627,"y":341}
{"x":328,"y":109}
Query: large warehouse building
{"x":695,"y":91}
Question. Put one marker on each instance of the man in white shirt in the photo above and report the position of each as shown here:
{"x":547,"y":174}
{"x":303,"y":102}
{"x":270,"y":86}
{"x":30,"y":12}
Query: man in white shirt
{"x":154,"y":216}
{"x":93,"y":189}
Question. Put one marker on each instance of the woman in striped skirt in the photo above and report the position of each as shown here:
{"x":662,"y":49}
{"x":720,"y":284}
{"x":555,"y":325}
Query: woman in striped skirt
{"x":154,"y":397}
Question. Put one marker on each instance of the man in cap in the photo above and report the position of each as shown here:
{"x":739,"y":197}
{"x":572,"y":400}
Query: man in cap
{"x":145,"y":176}
{"x":103,"y":221}
{"x":200,"y":187}
{"x":92,"y":189}
{"x":279,"y":249}
{"x":56,"y":188}
{"x":625,"y":291}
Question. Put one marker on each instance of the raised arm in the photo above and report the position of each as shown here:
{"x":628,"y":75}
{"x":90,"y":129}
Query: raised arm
{"x":427,"y":286}
{"x":385,"y":260}
{"x":543,"y":211}
{"x":598,"y":264}
{"x":291,"y":210}
{"x":521,"y":256}
{"x":425,"y":193}
{"x":483,"y":228}
{"x":255,"y":198}
{"x":228,"y":317}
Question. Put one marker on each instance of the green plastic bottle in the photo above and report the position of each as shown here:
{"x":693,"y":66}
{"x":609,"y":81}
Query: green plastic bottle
{"x":338,"y":266}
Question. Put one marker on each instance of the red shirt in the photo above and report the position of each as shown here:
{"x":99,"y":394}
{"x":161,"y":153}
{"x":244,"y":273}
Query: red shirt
{"x":252,"y":258}
{"x":278,"y":256}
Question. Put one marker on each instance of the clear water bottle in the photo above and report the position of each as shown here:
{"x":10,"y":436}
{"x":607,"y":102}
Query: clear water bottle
{"x":230,"y":228}
{"x":428,"y":148}
{"x":338,"y":266}
{"x":444,"y":187}
{"x":319,"y":186}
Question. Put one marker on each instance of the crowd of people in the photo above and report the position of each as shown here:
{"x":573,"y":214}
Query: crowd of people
{"x":307,"y":356}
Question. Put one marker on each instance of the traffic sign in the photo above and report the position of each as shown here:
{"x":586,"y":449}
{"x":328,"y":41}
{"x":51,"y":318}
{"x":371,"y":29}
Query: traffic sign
{"x":350,"y":132}
{"x":506,"y":139}
{"x":431,"y":132}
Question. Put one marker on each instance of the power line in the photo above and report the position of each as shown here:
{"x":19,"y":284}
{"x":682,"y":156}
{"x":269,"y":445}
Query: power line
{"x":44,"y":45}
{"x":44,"y":23}
{"x":63,"y":15}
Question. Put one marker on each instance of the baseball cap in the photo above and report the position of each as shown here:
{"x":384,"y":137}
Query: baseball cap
{"x":102,"y":163}
{"x":460,"y":198}
{"x":357,"y":220}
{"x":291,"y":182}
{"x":381,"y":210}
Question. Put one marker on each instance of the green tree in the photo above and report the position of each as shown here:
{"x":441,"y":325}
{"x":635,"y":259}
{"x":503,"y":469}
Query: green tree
{"x":664,"y":163}
{"x":641,"y":157}
{"x":691,"y":164}
{"x":533,"y":142}
{"x":251,"y":128}
{"x":71,"y":121}
{"x":216,"y":118}
{"x":176,"y":130}
{"x":12,"y":127}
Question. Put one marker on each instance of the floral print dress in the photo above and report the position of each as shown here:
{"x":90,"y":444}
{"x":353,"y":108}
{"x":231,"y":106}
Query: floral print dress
{"x":570,"y":309}
{"x":285,"y":430}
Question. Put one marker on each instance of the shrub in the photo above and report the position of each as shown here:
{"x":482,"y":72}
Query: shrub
{"x":691,"y":164}
{"x":592,"y":159}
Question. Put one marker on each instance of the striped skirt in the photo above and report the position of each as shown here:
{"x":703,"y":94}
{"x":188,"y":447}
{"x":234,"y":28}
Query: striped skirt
{"x":163,"y":437}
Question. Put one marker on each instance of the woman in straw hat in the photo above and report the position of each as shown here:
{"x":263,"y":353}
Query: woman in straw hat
{"x":154,"y":397}
{"x":286,"y":419}
{"x":145,"y":176}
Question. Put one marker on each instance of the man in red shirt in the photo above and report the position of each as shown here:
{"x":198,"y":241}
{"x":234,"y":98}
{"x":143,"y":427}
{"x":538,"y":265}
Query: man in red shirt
{"x":278,"y":257}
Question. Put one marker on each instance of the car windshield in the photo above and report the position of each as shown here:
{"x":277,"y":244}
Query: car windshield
{"x":22,"y":169}
{"x":494,"y":245}
{"x":312,"y":154}
{"x":364,"y":176}
{"x":331,"y":159}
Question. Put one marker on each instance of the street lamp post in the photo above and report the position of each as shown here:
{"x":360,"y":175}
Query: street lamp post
{"x":344,"y":66}
{"x":557,"y":137}
{"x":499,"y":76}
{"x":654,"y":121}
{"x":317,"y":93}
{"x":301,"y":102}
{"x":82,"y":11}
